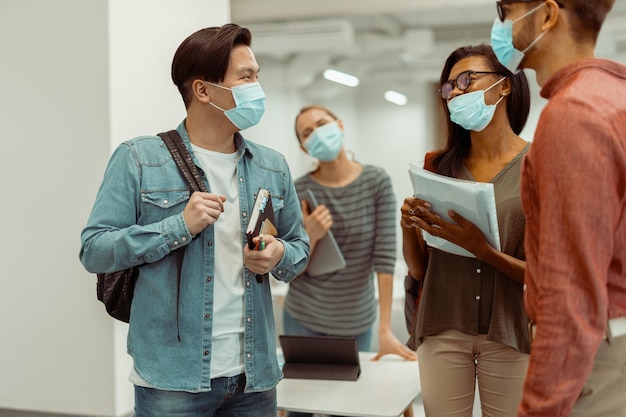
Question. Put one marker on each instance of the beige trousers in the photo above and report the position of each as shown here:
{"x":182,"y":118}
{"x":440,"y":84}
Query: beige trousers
{"x":604,"y":394}
{"x":450,"y":365}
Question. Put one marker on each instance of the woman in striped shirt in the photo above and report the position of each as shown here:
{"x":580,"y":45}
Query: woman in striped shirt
{"x":357,"y":203}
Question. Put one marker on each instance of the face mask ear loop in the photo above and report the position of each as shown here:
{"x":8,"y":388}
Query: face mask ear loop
{"x":219,"y":86}
{"x":535,"y":41}
{"x":530,"y":12}
{"x":523,"y":16}
{"x":216,"y":106}
{"x":494,"y":84}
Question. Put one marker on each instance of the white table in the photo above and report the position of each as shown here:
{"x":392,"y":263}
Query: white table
{"x":384,"y":389}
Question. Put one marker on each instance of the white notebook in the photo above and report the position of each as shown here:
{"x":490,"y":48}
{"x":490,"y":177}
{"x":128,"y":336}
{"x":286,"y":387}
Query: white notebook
{"x":473,"y":200}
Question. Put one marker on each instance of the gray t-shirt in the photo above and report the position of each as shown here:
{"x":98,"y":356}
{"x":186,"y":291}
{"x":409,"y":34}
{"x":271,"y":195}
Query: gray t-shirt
{"x":471,"y":296}
{"x":343,"y":303}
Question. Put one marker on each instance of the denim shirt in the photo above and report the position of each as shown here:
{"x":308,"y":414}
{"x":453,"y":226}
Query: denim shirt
{"x":137,"y":220}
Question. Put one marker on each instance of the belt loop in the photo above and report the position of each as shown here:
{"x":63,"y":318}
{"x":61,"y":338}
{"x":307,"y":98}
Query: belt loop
{"x":609,"y":334}
{"x":531,"y":330}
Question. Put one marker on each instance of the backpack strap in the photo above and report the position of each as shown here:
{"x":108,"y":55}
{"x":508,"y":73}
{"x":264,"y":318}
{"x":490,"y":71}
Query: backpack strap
{"x":184,"y":161}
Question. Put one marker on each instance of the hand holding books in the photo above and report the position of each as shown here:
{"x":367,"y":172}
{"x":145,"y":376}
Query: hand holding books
{"x":260,"y":225}
{"x":267,"y":228}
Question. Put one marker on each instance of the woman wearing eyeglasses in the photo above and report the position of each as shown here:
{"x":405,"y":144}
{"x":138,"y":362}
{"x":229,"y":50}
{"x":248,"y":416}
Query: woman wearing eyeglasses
{"x":470,"y":326}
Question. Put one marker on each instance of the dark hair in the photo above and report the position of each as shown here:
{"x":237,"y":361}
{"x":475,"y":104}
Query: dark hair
{"x":205,"y":54}
{"x":587,"y":17}
{"x":450,"y":160}
{"x":312,"y":107}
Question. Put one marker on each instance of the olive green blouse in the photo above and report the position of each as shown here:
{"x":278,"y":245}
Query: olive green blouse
{"x":470,"y":296}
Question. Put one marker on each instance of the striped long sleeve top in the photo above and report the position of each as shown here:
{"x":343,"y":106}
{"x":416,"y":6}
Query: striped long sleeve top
{"x":364,"y":225}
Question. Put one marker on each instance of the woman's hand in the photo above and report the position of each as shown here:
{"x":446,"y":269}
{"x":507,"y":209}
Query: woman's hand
{"x":416,"y":215}
{"x":317,"y":222}
{"x":462,"y":232}
{"x":410,"y":210}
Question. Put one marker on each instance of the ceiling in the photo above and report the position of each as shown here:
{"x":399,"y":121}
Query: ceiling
{"x":401,"y":40}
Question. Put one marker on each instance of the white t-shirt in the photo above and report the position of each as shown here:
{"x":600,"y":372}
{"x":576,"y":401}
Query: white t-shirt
{"x":228,"y":304}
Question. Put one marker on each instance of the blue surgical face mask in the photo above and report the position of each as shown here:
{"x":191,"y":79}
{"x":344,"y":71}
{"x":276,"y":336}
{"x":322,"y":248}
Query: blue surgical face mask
{"x":502,"y":42}
{"x":249,"y":104}
{"x":470,"y":111}
{"x":325,"y":142}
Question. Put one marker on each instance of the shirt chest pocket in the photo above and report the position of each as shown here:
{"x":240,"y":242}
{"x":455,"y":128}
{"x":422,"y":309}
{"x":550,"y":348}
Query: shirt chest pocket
{"x":278,"y":202}
{"x":159,"y":204}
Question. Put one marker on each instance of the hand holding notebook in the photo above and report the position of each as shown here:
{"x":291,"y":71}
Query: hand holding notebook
{"x":327,"y":257}
{"x":261,"y":223}
{"x":475,"y":201}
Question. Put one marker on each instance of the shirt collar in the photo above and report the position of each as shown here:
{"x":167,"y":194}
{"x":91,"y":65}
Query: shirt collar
{"x":241,"y":144}
{"x":561,"y":78}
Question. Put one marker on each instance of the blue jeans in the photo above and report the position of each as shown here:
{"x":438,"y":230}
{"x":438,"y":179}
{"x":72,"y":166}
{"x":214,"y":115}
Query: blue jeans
{"x":293,"y":327}
{"x":226,"y":399}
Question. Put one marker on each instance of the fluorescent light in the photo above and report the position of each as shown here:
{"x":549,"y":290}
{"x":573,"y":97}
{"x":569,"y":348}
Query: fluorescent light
{"x":396,"y":98}
{"x":341,"y":78}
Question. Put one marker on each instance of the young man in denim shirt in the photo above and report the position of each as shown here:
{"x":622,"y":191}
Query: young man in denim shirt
{"x":204,"y":346}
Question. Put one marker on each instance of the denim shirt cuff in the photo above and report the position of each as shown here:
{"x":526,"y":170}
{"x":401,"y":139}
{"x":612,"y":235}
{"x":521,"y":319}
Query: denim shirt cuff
{"x":176,"y":232}
{"x":284,"y":269}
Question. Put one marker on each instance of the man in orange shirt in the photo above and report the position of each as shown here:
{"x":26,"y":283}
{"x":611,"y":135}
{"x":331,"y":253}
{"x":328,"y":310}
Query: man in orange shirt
{"x":574,"y":198}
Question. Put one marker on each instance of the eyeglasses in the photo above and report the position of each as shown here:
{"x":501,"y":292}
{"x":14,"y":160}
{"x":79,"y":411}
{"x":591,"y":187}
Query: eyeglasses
{"x":462,"y":82}
{"x":502,"y":12}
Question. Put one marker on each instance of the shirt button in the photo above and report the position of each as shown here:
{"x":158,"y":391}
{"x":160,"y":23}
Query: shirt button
{"x":248,"y":355}
{"x":184,"y":238}
{"x":209,"y":244}
{"x":206,"y":352}
{"x":176,"y":243}
{"x":165,"y":202}
{"x":240,"y":179}
{"x":247,"y":283}
{"x":208,"y":279}
{"x":207,"y":316}
{"x":478,"y":270}
{"x":249,"y":319}
{"x":244,"y":214}
{"x":478,"y":297}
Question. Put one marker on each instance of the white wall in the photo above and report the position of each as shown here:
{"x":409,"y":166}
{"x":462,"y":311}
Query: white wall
{"x":56,"y":345}
{"x":76,"y":78}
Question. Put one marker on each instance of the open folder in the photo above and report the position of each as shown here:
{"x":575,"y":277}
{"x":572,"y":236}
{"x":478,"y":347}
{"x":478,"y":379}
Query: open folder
{"x":475,"y":201}
{"x":320,"y":357}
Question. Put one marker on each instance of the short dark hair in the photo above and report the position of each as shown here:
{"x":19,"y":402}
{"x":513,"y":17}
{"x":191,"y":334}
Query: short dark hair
{"x":450,"y":160}
{"x":587,"y":17}
{"x":205,"y":54}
